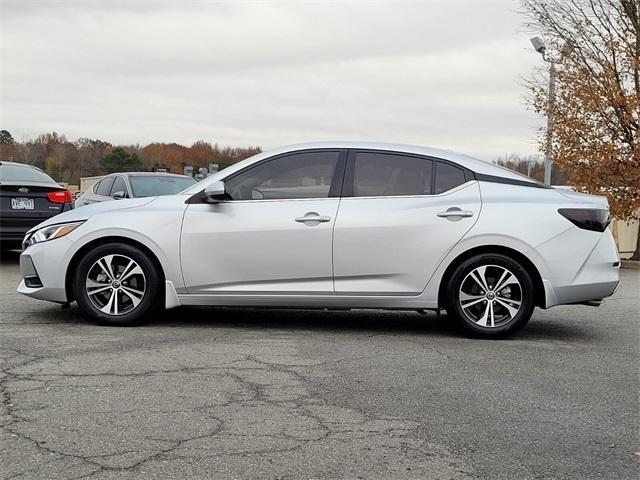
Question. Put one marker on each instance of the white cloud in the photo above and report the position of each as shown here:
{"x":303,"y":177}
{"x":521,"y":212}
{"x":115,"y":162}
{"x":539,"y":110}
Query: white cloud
{"x":269,"y":73}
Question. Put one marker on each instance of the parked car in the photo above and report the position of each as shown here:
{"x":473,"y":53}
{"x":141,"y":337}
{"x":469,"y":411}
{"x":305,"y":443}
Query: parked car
{"x":335,"y":225}
{"x":28,"y":196}
{"x":117,"y":186}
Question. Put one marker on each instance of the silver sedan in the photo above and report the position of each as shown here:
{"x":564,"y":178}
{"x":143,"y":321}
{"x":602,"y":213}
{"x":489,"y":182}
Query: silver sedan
{"x":334,"y":225}
{"x":117,"y":186}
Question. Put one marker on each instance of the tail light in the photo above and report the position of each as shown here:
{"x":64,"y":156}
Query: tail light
{"x":593,"y":219}
{"x":60,"y":196}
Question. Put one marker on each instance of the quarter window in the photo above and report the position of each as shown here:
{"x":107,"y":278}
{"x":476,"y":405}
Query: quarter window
{"x":448,"y":177}
{"x":383,"y":174}
{"x":300,"y":175}
{"x":105,"y":186}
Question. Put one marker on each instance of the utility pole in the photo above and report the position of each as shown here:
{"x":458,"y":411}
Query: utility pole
{"x":540,"y":47}
{"x":548,"y":151}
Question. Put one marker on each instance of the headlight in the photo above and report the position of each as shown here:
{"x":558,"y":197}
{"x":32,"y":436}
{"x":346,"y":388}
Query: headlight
{"x":52,"y":231}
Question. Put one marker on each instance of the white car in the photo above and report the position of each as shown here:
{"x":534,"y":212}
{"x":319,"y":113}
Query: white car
{"x":117,"y":186}
{"x":334,"y":225}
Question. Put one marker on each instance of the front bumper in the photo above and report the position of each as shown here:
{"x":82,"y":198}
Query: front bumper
{"x":43,"y":268}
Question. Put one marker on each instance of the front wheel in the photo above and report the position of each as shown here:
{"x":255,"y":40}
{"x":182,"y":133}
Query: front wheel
{"x":117,"y":284}
{"x":490,"y":295}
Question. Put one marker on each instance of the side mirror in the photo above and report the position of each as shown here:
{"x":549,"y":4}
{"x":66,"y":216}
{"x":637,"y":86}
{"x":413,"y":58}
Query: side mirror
{"x":215,"y":192}
{"x":119,"y":195}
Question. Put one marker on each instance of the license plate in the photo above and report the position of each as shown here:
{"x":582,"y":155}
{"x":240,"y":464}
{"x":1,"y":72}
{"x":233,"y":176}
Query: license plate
{"x":22,"y":203}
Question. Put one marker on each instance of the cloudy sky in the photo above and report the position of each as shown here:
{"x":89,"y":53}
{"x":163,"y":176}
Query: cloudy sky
{"x":439,"y":73}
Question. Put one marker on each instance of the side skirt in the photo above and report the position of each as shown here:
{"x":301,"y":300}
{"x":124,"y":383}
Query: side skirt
{"x":307,"y":301}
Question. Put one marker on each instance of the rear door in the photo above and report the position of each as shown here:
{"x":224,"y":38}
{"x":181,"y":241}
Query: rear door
{"x":399,"y":216}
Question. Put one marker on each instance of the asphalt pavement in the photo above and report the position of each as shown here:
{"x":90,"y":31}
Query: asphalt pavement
{"x":227,"y":393}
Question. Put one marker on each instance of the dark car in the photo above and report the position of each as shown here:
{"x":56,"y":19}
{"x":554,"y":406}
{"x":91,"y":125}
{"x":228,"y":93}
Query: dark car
{"x":28,"y":196}
{"x":116,"y":186}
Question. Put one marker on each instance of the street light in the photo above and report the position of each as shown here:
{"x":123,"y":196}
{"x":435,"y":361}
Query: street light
{"x":539,"y":46}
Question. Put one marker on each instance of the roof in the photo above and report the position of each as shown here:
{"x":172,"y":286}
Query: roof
{"x":16,"y":164}
{"x":149,"y":174}
{"x":473,"y":164}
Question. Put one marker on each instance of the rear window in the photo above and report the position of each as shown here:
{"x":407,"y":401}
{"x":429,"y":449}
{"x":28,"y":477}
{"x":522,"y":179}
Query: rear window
{"x":152,"y":186}
{"x":14,"y":173}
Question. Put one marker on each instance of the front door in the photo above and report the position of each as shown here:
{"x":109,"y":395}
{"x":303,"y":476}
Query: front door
{"x":400,"y":216}
{"x":274,"y":233}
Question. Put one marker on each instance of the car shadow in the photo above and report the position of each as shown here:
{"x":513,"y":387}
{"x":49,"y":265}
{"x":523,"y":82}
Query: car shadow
{"x":372,"y":322}
{"x":363,"y":321}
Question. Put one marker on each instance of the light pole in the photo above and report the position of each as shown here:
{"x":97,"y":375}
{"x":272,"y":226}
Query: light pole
{"x":540,"y":47}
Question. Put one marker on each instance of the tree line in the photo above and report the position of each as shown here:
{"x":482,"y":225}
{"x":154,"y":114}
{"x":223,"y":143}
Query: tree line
{"x":67,"y":161}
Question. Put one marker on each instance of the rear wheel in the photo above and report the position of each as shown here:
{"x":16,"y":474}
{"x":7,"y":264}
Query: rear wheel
{"x":490,"y":295}
{"x":117,"y":284}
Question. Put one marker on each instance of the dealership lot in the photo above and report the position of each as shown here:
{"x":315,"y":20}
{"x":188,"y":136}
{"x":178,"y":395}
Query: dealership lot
{"x":249,"y":393}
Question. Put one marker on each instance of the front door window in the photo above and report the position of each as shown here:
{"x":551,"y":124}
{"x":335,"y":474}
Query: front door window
{"x":300,"y":175}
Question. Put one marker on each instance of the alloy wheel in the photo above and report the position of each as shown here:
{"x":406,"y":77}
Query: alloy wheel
{"x":115,"y":284}
{"x":490,"y":296}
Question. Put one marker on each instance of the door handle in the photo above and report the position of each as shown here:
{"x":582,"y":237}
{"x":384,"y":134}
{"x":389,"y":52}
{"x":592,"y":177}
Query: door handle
{"x":455,"y":212}
{"x":313,"y":218}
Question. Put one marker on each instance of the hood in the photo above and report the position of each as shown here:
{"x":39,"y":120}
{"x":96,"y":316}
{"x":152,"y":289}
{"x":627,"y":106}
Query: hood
{"x":595,"y":200}
{"x":83,"y":213}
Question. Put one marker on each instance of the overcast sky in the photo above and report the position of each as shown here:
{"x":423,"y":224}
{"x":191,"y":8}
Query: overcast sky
{"x":438,"y":73}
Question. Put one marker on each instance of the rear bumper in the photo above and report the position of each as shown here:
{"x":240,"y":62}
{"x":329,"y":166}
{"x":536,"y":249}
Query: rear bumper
{"x":583,"y":266}
{"x":585,"y":293}
{"x":14,"y":227}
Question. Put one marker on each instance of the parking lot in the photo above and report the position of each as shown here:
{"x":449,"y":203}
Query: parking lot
{"x":248,"y":393}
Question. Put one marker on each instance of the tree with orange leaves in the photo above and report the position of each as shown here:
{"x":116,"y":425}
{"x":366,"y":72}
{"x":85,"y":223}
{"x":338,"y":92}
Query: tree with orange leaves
{"x":596,"y":113}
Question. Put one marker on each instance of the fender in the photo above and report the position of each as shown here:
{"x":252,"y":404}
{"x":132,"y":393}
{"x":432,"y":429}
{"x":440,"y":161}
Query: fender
{"x":430,"y":293}
{"x":171,"y":270}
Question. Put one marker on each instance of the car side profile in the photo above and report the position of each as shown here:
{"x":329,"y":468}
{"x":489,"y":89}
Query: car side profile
{"x":117,"y":186}
{"x":28,"y":196}
{"x":334,"y":225}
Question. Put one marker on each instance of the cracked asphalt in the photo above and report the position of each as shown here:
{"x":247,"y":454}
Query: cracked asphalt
{"x":285,"y":394}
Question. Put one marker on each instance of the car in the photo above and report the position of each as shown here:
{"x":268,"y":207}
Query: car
{"x":334,"y":225}
{"x":117,"y":186}
{"x":28,"y":196}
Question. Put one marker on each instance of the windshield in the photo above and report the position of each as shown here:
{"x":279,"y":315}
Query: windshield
{"x":152,"y":186}
{"x":15,"y":173}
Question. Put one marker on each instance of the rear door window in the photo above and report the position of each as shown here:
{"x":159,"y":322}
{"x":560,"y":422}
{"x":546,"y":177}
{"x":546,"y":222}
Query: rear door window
{"x":389,"y":174}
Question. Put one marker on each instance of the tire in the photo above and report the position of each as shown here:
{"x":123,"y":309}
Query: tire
{"x":117,"y":284}
{"x":485,"y":308}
